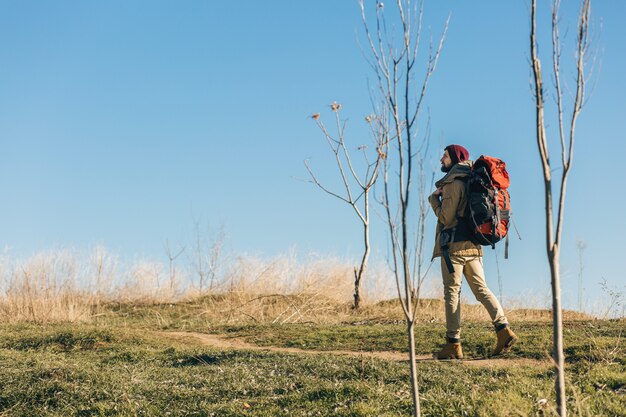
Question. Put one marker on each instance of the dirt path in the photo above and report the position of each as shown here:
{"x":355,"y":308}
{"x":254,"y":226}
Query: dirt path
{"x":232,"y":343}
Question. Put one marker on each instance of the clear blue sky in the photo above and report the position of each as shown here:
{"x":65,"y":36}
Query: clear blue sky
{"x":122,"y":121}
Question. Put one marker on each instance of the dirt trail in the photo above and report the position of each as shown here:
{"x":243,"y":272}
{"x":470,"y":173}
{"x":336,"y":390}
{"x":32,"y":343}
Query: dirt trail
{"x":232,"y":343}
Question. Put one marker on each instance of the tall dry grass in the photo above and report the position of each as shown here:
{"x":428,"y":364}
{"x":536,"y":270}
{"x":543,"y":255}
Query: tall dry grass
{"x":64,"y":285}
{"x":43,"y":288}
{"x":67,"y":285}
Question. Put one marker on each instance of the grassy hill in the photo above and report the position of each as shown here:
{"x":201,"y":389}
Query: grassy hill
{"x":123,"y":362}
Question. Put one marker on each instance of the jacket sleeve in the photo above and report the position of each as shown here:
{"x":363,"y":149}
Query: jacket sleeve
{"x":447,"y":207}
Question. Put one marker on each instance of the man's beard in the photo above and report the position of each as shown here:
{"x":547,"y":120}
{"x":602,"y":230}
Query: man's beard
{"x":446,"y":169}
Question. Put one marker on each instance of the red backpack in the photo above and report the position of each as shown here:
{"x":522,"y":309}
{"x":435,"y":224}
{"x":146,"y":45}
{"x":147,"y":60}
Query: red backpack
{"x":489,"y":204}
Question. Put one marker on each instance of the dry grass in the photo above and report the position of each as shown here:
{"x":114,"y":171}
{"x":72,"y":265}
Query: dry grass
{"x":63,"y":286}
{"x":44,"y":288}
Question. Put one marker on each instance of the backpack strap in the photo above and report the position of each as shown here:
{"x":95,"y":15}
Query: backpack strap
{"x":506,"y":247}
{"x":446,"y":236}
{"x":459,"y":233}
{"x":495,"y":223}
{"x":446,"y":258}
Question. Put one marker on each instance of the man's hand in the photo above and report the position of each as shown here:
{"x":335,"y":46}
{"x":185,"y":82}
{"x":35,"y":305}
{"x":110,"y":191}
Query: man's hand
{"x":438,"y":191}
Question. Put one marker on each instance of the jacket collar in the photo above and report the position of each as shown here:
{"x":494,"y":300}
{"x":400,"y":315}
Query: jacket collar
{"x":460,"y":170}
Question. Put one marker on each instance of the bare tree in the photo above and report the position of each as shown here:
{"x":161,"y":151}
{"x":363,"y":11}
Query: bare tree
{"x":205,"y":254}
{"x":553,"y":236}
{"x":171,"y":256}
{"x":104,"y":269}
{"x":394,"y":61}
{"x":360,"y":201}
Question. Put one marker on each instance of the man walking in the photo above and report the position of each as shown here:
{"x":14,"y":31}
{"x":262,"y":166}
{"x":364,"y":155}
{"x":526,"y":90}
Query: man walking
{"x":461,"y":256}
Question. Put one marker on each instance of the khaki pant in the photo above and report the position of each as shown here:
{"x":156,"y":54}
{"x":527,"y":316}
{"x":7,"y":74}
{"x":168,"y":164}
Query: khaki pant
{"x":472,"y":268}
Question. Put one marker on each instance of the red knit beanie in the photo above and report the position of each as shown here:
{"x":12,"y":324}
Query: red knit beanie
{"x":457,"y":153}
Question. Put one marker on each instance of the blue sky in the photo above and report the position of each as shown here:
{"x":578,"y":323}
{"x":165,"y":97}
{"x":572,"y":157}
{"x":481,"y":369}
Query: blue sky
{"x":122,"y":122}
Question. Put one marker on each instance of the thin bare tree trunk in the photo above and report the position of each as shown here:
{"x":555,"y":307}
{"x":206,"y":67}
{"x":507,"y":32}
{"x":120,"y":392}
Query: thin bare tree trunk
{"x":414,"y":383}
{"x":393,"y":61}
{"x":551,"y":249}
{"x":557,"y":336}
{"x":358,"y":274}
{"x":553,"y":241}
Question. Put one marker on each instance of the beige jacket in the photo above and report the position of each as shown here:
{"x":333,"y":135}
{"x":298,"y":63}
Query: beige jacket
{"x":449,"y":206}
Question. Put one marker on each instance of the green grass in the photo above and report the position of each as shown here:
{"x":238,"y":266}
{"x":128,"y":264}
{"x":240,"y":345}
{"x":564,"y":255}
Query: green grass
{"x":112,"y":369}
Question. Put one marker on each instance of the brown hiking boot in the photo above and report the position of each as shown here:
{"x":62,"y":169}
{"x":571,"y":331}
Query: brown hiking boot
{"x":506,"y":339}
{"x":451,"y":350}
